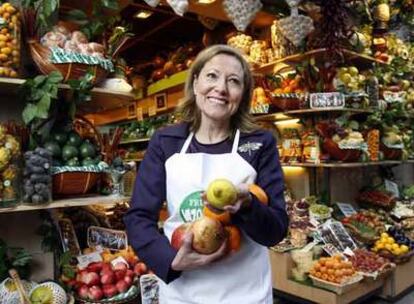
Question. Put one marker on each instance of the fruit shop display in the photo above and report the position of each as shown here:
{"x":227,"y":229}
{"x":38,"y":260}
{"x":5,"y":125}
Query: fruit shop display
{"x":37,"y":177}
{"x":377,"y":198}
{"x":71,"y":150}
{"x":333,"y":232}
{"x":333,"y":269}
{"x":366,"y":226}
{"x":387,"y":247}
{"x":9,"y":168}
{"x":10,"y":31}
{"x":319,"y":212}
{"x":368,"y":262}
{"x":349,"y":79}
{"x":400,"y":237}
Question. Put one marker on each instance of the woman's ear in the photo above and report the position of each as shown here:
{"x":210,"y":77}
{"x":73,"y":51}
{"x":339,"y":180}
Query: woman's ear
{"x":195,"y":85}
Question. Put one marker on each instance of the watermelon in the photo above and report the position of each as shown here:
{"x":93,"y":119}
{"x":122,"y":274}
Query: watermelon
{"x":69,"y":152}
{"x":74,"y":139}
{"x":87,"y":149}
{"x":54,"y":148}
{"x":73,"y":162}
{"x":88,"y":162}
{"x":59,"y":137}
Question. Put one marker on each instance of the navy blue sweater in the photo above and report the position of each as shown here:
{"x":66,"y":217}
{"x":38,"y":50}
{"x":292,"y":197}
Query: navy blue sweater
{"x":267,"y":225}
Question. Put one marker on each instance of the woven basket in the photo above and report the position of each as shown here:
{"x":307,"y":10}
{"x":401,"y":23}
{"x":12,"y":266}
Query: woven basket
{"x":41,"y":55}
{"x":363,"y":238}
{"x":286,"y":102}
{"x":130,"y":300}
{"x":336,"y":153}
{"x":73,"y":183}
{"x":389,"y":153}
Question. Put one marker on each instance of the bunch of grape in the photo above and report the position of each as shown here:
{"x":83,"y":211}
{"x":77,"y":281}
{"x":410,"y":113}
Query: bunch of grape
{"x":350,"y":79}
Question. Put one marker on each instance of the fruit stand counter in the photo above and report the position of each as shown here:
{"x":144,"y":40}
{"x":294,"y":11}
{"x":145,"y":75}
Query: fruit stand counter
{"x":399,"y":281}
{"x":282,"y":263}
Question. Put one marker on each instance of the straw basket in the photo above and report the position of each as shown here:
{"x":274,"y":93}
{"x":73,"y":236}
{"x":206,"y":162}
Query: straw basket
{"x":390,"y":153}
{"x":41,"y":55}
{"x":73,"y":183}
{"x":336,"y":153}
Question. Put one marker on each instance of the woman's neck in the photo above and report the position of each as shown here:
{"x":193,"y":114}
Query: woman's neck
{"x":211,"y":133}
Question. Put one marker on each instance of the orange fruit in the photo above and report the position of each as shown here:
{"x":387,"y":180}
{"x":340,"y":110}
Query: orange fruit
{"x":223,"y":217}
{"x":259,"y":193}
{"x":233,"y":238}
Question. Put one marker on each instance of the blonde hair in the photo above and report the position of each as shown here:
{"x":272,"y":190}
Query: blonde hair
{"x":187,"y":108}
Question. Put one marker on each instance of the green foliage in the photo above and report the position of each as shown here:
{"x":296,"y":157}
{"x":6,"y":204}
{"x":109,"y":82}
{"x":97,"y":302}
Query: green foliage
{"x":94,"y":25}
{"x":13,"y":257}
{"x":45,"y":12}
{"x":81,"y":91}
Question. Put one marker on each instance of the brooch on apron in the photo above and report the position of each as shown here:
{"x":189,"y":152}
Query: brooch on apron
{"x":249,"y":147}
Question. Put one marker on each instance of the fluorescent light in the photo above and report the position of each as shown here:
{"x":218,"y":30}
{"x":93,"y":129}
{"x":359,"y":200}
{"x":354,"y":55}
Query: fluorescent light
{"x":287,"y":122}
{"x":205,"y":1}
{"x":143,"y":14}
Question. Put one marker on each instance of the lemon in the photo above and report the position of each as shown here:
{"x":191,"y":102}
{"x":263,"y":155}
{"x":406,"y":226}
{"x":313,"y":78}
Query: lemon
{"x":396,"y":251}
{"x":353,"y":71}
{"x":388,"y":247}
{"x":395,"y":246}
{"x":221,"y":192}
{"x":404,"y":248}
{"x":384,"y":235}
{"x":390,"y":240}
{"x":345,"y":78}
{"x":380,"y":246}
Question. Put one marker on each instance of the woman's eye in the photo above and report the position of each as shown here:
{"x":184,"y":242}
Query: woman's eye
{"x":211,"y":76}
{"x":234,"y":81}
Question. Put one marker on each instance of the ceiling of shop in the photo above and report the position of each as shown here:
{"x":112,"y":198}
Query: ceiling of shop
{"x":164,"y":31}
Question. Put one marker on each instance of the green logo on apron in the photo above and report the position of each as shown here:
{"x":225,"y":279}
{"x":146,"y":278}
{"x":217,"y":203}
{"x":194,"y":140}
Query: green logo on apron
{"x":192,"y":207}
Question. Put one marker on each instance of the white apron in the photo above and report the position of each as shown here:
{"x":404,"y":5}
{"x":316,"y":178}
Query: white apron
{"x":242,"y":277}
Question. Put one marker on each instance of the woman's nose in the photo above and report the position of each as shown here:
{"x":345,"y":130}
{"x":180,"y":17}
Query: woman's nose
{"x":221,"y":85}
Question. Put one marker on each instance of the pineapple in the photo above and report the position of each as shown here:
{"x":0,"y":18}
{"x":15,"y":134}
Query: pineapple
{"x":10,"y":173}
{"x":382,"y":11}
{"x":5,"y":157}
{"x":13,"y":145}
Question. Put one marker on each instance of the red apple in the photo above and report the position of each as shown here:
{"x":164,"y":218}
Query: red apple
{"x":119,"y":274}
{"x":109,"y":290}
{"x":94,"y":267}
{"x":83,"y":292}
{"x":128,"y":280}
{"x":90,"y":278}
{"x":106,"y":267}
{"x":122,"y":286}
{"x":140,"y":268}
{"x":107,"y":277}
{"x":120,"y":266}
{"x":95,"y":293}
{"x":130,"y":273}
{"x":178,"y":235}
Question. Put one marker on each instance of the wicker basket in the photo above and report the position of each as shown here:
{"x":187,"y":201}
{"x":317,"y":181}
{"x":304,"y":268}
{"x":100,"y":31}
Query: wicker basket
{"x":361,"y":237}
{"x":336,"y":153}
{"x":73,"y":183}
{"x":397,"y":259}
{"x":286,"y":102}
{"x":131,"y":300}
{"x":41,"y":55}
{"x":389,"y":153}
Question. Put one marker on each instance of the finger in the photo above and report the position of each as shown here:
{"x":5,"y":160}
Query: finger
{"x":233,"y":208}
{"x":220,"y":252}
{"x":243,"y":189}
{"x":204,"y":196}
{"x":188,"y":240}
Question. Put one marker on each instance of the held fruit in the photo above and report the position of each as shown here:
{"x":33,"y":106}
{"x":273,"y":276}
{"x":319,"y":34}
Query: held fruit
{"x":220,"y":193}
{"x":209,"y":235}
{"x":223,"y":217}
{"x":178,"y":235}
{"x":259,"y":193}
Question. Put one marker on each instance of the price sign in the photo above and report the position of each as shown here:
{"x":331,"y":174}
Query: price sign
{"x":346,"y":209}
{"x":327,"y":100}
{"x":85,"y":259}
{"x":107,"y":238}
{"x":392,"y":187}
{"x":152,"y":111}
{"x":139,"y":114}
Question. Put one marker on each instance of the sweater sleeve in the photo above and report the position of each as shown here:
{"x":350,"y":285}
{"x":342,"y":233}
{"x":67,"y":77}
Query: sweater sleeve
{"x":141,"y":219}
{"x":267,"y":225}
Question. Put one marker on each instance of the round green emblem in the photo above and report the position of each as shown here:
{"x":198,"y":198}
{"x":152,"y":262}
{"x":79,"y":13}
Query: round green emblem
{"x":191,"y":207}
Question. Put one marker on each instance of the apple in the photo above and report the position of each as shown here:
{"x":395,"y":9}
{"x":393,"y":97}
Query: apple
{"x":107,"y":277}
{"x":119,"y":274}
{"x":95,"y":293}
{"x":128,"y":280}
{"x":178,"y":235}
{"x":109,"y":290}
{"x":140,"y":268}
{"x":94,"y":267}
{"x":130,"y":273}
{"x":209,"y":235}
{"x":122,"y":286}
{"x":83,"y":292}
{"x":106,"y":267}
{"x":90,"y":278}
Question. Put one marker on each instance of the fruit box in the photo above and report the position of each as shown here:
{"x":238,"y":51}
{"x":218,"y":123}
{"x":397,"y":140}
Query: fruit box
{"x":337,"y":288}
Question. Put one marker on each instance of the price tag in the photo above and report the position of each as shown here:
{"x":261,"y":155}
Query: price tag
{"x":85,"y":259}
{"x":152,"y":111}
{"x":392,"y":187}
{"x":346,"y":209}
{"x":327,"y":100}
{"x":331,"y":250}
{"x":348,"y":251}
{"x":107,"y":238}
{"x":140,"y":114}
{"x":119,"y":260}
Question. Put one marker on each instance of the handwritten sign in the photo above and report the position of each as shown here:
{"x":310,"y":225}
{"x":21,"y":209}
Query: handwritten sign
{"x":392,"y":187}
{"x":139,"y":114}
{"x":85,"y":259}
{"x":107,"y":238}
{"x":346,"y":209}
{"x":327,"y":100}
{"x":152,"y":110}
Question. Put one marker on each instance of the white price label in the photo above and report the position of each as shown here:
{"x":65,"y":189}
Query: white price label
{"x":119,"y":260}
{"x":346,"y":209}
{"x":392,"y":187}
{"x":85,"y":259}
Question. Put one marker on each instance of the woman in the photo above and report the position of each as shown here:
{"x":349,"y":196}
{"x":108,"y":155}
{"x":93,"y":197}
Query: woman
{"x":216,"y":140}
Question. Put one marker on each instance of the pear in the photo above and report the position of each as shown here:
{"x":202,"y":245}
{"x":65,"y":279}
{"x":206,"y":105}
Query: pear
{"x":220,"y":193}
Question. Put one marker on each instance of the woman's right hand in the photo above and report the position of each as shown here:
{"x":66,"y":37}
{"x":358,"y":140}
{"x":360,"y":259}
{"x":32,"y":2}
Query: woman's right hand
{"x":188,"y":259}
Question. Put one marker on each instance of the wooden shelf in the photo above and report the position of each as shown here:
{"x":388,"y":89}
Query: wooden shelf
{"x":69,"y":202}
{"x":134,"y":159}
{"x":167,"y":83}
{"x":350,"y":55}
{"x":131,"y":141}
{"x":102,"y":99}
{"x":327,"y":110}
{"x":344,"y":165}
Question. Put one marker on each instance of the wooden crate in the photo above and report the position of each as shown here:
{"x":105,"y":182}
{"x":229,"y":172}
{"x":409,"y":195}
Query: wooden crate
{"x":281,"y":264}
{"x":399,"y":281}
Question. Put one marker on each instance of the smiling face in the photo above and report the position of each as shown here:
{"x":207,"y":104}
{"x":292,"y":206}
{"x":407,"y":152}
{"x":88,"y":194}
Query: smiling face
{"x":219,"y":88}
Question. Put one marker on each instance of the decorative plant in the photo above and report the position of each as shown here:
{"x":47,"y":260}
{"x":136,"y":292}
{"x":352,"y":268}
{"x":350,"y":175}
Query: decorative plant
{"x":39,"y":15}
{"x":13,"y":257}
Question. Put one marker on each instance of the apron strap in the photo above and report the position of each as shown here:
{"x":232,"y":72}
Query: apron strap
{"x":187,"y":143}
{"x":236,"y":142}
